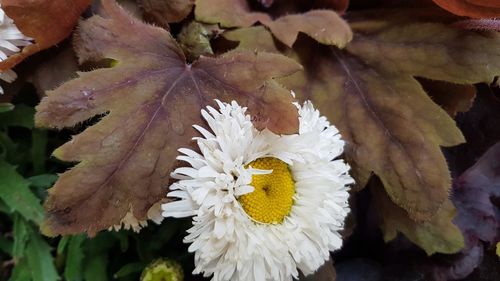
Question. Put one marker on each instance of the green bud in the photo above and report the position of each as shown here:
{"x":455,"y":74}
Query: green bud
{"x":163,"y":270}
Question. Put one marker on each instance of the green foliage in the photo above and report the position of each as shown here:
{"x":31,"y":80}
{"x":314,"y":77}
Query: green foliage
{"x":15,"y":192}
{"x":30,"y":252}
{"x":39,"y":258}
{"x":31,"y":256}
{"x":74,"y":258}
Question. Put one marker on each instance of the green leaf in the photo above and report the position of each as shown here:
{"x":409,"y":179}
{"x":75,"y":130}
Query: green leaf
{"x":4,"y":107}
{"x":21,"y":272}
{"x":6,"y":245}
{"x":73,"y":270}
{"x":63,"y":243}
{"x":96,"y":256}
{"x":4,"y":208}
{"x":130,"y":268}
{"x":15,"y":192}
{"x":20,"y":116}
{"x":42,"y":181}
{"x":21,"y":237}
{"x":7,"y":146}
{"x":39,"y":150}
{"x":122,"y":237}
{"x":39,"y":258}
{"x":95,"y":269}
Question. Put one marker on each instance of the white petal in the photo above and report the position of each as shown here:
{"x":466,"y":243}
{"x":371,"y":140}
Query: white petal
{"x":227,"y":243}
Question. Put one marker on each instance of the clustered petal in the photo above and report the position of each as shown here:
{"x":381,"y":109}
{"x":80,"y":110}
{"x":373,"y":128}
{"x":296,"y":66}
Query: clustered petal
{"x":227,"y":243}
{"x":11,"y":42}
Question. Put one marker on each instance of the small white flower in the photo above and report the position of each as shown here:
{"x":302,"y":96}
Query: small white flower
{"x":264,"y":206}
{"x":11,"y":42}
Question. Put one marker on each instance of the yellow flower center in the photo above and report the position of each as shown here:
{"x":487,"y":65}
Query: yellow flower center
{"x":272,"y":199}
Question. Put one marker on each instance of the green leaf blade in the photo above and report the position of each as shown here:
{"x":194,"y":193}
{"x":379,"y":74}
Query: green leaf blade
{"x":15,"y":192}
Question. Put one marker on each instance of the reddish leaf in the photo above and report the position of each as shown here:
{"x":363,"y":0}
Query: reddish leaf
{"x":48,"y":22}
{"x":472,"y":8}
{"x":325,"y":26}
{"x":255,"y":38}
{"x":152,"y":98}
{"x":164,"y":12}
{"x":58,"y":67}
{"x":229,"y":13}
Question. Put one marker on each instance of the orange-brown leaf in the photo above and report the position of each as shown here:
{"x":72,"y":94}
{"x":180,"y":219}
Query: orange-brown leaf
{"x":228,"y":13}
{"x":48,"y":22}
{"x":472,"y":8}
{"x":255,"y":38}
{"x":164,"y":12}
{"x":325,"y":26}
{"x":150,"y":99}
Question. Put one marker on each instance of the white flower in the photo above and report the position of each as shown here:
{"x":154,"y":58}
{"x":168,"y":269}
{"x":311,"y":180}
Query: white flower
{"x":10,"y":41}
{"x":264,"y":206}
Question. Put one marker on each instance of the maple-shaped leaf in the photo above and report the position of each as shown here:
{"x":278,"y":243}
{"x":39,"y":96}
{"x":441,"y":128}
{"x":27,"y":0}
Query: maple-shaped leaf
{"x":368,"y":90}
{"x":48,"y":22}
{"x":150,"y":100}
{"x":390,"y":124}
{"x":438,"y":235}
{"x":325,"y":26}
{"x":472,"y":8}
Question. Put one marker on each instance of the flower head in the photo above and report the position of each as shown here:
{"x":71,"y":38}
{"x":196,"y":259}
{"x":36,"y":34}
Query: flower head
{"x":11,"y":39}
{"x":264,"y":206}
{"x":163,"y":270}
